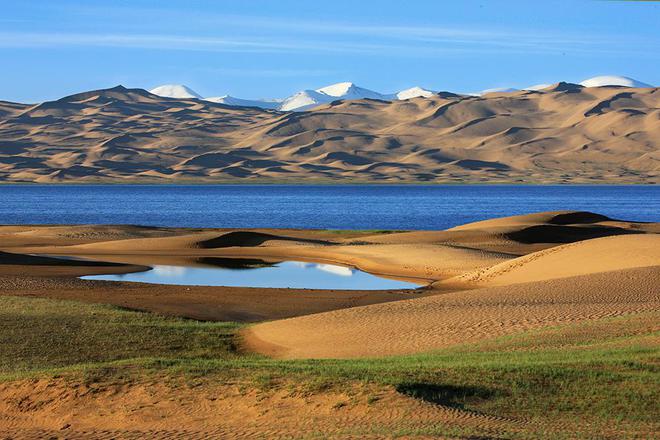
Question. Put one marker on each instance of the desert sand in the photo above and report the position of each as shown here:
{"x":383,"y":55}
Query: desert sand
{"x":481,"y":281}
{"x":500,"y":252}
{"x":427,"y":324}
{"x":564,"y":133}
{"x":216,"y":411}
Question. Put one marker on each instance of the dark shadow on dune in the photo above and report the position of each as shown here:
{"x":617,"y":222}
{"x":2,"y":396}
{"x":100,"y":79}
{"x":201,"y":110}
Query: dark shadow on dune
{"x":249,"y":239}
{"x":451,"y":396}
{"x":578,"y":218}
{"x":564,"y":234}
{"x":346,"y":158}
{"x":236,"y":171}
{"x":7,"y":258}
{"x":471,"y":164}
{"x":234,"y":263}
{"x":606,"y":104}
{"x":565,"y":87}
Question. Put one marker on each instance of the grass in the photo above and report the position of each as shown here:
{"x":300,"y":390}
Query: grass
{"x":38,"y":334}
{"x":603,"y":374}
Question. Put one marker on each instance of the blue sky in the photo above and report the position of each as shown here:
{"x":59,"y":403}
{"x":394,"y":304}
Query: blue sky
{"x":258,"y":48}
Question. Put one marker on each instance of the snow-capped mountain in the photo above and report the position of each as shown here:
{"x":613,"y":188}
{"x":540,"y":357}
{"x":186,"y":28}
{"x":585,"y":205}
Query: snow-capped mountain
{"x":345,"y":90}
{"x":498,"y":90}
{"x":175,"y":91}
{"x":538,"y":87}
{"x":307,"y":99}
{"x":597,"y":81}
{"x":414,"y":92}
{"x":230,"y":100}
{"x":613,"y":80}
{"x":348,"y":90}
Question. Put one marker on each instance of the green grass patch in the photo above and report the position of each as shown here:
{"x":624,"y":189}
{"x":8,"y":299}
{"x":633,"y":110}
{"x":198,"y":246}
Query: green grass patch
{"x":600,"y":374}
{"x":38,"y":334}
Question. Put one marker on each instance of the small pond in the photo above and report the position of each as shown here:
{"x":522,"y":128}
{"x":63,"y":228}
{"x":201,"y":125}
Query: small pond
{"x":258,"y":273}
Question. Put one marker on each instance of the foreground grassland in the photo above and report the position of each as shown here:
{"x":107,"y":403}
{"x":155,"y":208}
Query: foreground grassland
{"x":602,"y":374}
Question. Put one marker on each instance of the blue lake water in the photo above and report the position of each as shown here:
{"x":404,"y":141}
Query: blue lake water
{"x":313,"y":206}
{"x":286,"y":274}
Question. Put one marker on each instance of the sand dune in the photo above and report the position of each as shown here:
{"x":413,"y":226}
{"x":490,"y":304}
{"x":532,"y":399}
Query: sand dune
{"x":426,"y":255}
{"x":434,"y":322}
{"x":558,"y":134}
{"x":425,"y":262}
{"x":584,"y":280}
{"x":251,"y":239}
{"x":11,"y":259}
{"x":490,"y":278}
{"x":581,"y":258}
{"x":522,"y":234}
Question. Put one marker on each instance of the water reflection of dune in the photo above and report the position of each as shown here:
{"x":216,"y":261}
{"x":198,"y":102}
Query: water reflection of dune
{"x":337,"y":270}
{"x":284,"y":274}
{"x":330,"y":268}
{"x":169,"y":271}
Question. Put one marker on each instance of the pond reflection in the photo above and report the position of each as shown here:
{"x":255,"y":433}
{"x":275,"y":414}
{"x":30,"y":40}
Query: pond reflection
{"x":238,"y":272}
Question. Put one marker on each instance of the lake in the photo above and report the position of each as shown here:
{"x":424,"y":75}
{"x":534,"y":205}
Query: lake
{"x":423,"y":207}
{"x":284,"y":274}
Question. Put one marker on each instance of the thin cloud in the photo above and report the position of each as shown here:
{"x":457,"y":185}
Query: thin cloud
{"x":260,"y":34}
{"x":269,"y":73}
{"x":463,"y":34}
{"x":420,"y":48}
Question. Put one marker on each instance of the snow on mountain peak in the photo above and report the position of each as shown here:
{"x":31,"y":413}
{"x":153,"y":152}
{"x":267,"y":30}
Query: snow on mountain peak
{"x":239,"y":102}
{"x":613,"y":80}
{"x":337,"y":90}
{"x":305,"y":99}
{"x":414,"y":92}
{"x":498,"y":90}
{"x":538,"y":87}
{"x":175,"y":91}
{"x":348,"y":90}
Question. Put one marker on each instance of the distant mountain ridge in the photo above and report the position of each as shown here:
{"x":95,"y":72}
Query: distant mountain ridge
{"x":306,"y":99}
{"x":175,"y":91}
{"x":238,"y":102}
{"x":611,"y":80}
{"x":564,"y":133}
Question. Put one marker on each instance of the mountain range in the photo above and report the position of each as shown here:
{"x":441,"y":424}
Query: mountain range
{"x":564,"y":133}
{"x":306,"y":99}
{"x":300,"y":101}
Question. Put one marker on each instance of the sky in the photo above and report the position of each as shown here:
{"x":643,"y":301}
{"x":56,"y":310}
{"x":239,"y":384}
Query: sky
{"x":271,"y":49}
